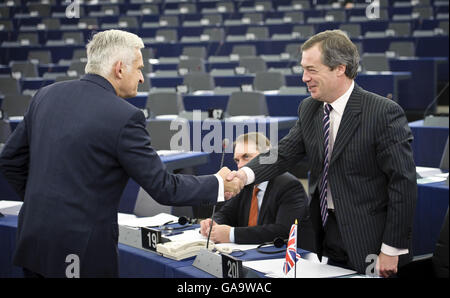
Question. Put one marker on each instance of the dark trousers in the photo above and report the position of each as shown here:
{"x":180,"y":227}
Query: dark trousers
{"x":30,"y":274}
{"x":333,"y":246}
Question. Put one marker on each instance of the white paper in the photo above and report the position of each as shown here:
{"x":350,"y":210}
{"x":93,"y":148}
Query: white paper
{"x":195,"y":235}
{"x":431,"y":180}
{"x":10,"y":207}
{"x":244,"y":117}
{"x":167,"y":117}
{"x":169,"y":152}
{"x":428,"y":172}
{"x":151,"y":221}
{"x":8,"y":204}
{"x":305,"y":269}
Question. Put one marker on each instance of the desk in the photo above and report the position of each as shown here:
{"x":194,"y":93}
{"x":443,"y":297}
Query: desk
{"x":432,"y":204}
{"x":428,"y":144}
{"x":133,"y":262}
{"x":418,"y":92}
{"x":431,"y":207}
{"x":277,"y":104}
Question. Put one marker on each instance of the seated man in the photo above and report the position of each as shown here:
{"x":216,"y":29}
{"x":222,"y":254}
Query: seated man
{"x":252,"y":219}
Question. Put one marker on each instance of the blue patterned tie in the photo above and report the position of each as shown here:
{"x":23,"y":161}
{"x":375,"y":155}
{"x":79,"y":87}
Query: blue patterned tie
{"x":323,"y":189}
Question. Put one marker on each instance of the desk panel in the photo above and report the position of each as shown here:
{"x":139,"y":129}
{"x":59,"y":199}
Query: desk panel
{"x":428,"y":144}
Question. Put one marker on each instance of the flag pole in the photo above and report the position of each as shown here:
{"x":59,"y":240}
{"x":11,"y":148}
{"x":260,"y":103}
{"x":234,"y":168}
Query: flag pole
{"x":296,"y":235}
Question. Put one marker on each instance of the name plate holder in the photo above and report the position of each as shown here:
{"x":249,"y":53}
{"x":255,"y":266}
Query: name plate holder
{"x":218,"y":265}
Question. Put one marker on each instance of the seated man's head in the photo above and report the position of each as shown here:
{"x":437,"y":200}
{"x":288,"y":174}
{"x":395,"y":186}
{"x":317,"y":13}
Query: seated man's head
{"x":248,"y":146}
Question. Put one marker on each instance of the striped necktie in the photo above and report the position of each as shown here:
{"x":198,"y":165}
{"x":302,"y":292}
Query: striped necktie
{"x":323,"y":189}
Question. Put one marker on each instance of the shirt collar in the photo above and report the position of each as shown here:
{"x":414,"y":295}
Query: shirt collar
{"x":263,"y":185}
{"x":340,"y":103}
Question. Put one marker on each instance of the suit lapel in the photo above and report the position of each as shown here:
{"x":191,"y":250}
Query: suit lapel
{"x":349,"y":123}
{"x":266,"y":198}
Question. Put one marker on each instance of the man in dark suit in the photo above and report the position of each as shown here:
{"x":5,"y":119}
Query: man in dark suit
{"x":363,"y":178}
{"x":262,"y":212}
{"x":71,"y":157}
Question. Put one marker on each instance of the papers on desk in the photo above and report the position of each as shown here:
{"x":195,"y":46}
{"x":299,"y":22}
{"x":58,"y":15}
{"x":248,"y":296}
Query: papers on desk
{"x":167,"y":117}
{"x":10,"y":207}
{"x":305,"y":269}
{"x":152,"y":221}
{"x":195,"y":235}
{"x":169,"y":152}
{"x":430,"y":175}
{"x":244,"y":118}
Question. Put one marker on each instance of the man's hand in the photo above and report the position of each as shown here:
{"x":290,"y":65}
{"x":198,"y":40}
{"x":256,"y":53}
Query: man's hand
{"x":220,"y":233}
{"x":205,"y":226}
{"x":232,"y":186}
{"x":223,"y":172}
{"x":386,"y":265}
{"x":239,"y":174}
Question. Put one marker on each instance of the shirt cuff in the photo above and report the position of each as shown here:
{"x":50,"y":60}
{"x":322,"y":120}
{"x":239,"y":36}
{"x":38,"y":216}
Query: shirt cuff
{"x":232,"y":235}
{"x":221,"y":193}
{"x":392,"y":251}
{"x":250,"y":175}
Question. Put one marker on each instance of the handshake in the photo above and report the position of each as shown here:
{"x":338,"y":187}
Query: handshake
{"x":234,"y":181}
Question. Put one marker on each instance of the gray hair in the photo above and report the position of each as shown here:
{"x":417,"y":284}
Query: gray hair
{"x":337,"y":49}
{"x":110,"y":46}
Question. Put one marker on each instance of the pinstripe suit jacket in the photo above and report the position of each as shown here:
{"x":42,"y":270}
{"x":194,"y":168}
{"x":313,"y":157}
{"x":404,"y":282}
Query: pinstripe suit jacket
{"x":372,"y":174}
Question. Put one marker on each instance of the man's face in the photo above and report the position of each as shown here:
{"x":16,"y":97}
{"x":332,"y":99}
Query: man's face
{"x":321,"y":81}
{"x":244,"y":152}
{"x":132,"y":77}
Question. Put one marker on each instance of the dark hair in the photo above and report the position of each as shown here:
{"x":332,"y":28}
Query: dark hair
{"x":337,"y":49}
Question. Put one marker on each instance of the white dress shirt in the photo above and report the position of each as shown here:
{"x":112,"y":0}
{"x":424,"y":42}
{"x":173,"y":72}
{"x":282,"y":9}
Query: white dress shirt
{"x":335,"y":120}
{"x":260,"y":195}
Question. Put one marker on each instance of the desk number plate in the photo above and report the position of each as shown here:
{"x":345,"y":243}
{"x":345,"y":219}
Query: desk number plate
{"x":150,"y":238}
{"x":231,"y":267}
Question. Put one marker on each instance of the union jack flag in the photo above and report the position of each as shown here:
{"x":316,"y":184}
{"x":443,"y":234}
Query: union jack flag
{"x":291,"y":250}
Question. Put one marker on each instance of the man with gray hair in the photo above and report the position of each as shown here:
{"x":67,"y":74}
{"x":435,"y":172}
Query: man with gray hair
{"x":72,"y":156}
{"x":363,"y":177}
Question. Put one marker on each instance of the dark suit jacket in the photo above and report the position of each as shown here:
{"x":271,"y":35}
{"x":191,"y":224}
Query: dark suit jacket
{"x":371,"y":174}
{"x":70,"y":159}
{"x":284,"y":201}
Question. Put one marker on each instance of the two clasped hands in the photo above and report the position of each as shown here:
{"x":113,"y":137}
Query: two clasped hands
{"x":234,"y":181}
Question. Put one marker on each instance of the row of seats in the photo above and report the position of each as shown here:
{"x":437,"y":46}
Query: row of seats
{"x":193,"y":61}
{"x":142,"y":20}
{"x":252,"y":103}
{"x":294,"y":32}
{"x":192,"y":7}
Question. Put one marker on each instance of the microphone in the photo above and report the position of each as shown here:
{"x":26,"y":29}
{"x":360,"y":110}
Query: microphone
{"x":428,"y":110}
{"x":183,"y":220}
{"x":225,"y":143}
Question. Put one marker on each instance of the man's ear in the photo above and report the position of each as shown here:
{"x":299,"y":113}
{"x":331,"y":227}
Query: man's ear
{"x":118,"y":69}
{"x":341,"y":70}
